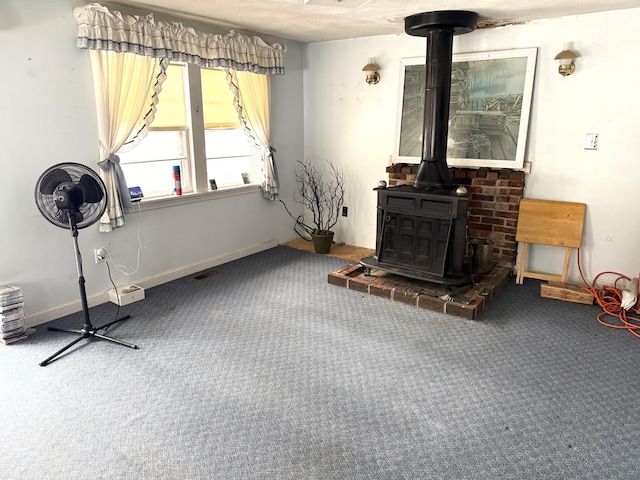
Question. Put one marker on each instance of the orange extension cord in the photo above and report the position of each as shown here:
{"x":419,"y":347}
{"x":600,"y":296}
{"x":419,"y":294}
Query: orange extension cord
{"x":610,"y":299}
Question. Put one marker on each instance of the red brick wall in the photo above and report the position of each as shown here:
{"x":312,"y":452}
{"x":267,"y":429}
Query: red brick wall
{"x":494,"y":199}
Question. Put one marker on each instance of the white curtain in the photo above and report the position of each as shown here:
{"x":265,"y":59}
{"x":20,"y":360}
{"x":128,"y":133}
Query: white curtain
{"x":124,"y":86}
{"x":126,"y":89}
{"x":101,"y":29}
{"x":252,"y":101}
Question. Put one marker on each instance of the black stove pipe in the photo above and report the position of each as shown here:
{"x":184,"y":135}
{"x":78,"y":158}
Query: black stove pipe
{"x":438,"y":27}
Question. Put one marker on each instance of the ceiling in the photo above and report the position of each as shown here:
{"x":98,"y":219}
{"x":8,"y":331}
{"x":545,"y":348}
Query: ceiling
{"x":309,"y":21}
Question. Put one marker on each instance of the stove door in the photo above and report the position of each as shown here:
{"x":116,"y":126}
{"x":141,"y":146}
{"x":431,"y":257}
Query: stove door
{"x":415,"y":241}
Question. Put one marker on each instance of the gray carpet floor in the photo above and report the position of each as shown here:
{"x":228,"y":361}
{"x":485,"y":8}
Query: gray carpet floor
{"x":265,"y":371}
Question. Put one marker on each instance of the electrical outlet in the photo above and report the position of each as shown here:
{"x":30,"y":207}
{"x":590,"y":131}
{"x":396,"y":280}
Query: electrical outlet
{"x":100,"y":254}
{"x":591,"y":142}
{"x":345,"y":211}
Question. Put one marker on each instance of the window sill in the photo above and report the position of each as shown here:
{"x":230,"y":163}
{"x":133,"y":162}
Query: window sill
{"x":163,"y":202}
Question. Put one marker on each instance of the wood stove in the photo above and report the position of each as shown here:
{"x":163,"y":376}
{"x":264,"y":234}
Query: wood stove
{"x":421,"y":234}
{"x":421,"y":229}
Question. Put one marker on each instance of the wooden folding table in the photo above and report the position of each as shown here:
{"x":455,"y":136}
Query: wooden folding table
{"x":549,"y":222}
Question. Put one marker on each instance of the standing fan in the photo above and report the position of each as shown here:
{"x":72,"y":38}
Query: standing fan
{"x":71,"y":195}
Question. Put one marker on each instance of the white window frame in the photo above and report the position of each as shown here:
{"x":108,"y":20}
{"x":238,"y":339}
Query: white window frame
{"x":195,"y":180}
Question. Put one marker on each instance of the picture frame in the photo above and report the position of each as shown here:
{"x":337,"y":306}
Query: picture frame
{"x":489,"y":112}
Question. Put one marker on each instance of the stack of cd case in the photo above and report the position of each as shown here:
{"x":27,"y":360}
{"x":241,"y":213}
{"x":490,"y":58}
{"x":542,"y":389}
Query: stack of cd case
{"x":12,"y":326}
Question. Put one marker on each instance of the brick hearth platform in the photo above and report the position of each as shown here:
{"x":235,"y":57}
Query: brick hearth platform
{"x":468,"y":301}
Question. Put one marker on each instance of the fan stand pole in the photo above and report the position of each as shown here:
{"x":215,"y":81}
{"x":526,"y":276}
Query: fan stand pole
{"x":88,"y":330}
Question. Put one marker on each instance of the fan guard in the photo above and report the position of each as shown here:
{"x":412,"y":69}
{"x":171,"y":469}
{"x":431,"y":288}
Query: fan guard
{"x":71,"y":189}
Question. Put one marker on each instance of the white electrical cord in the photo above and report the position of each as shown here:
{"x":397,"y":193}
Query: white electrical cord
{"x":122,"y":268}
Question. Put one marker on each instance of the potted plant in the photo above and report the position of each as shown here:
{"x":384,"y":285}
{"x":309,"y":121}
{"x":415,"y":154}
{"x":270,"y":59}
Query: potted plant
{"x":322,"y":198}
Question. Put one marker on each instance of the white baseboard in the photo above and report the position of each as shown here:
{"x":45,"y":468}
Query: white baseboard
{"x":149,"y":282}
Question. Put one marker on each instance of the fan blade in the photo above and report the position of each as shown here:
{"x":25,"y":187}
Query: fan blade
{"x":52,"y":179}
{"x":92,"y":191}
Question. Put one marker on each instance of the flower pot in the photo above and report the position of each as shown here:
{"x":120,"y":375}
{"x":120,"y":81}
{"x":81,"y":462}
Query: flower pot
{"x":322,"y":243}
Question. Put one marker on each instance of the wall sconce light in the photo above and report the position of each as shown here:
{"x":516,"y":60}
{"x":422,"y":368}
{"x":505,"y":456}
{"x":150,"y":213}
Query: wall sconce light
{"x":565,"y":57}
{"x":371,"y":70}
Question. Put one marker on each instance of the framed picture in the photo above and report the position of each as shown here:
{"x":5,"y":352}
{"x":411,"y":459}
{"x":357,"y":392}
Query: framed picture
{"x":488,"y":114}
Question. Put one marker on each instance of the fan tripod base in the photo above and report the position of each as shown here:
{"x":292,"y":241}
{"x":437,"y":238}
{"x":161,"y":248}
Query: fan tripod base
{"x":89,"y":331}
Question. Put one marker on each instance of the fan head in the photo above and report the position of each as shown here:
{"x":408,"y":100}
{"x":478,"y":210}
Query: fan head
{"x":70,"y":194}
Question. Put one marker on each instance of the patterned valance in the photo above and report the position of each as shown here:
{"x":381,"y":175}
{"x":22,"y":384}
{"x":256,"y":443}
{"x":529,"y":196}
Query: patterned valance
{"x":101,"y":29}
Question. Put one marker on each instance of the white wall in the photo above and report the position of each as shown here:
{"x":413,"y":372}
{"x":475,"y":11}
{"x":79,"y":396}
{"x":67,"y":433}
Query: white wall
{"x":47,"y":116}
{"x":353,"y":124}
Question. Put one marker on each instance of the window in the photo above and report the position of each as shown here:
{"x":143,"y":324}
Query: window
{"x":227,"y":150}
{"x":217,"y":149}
